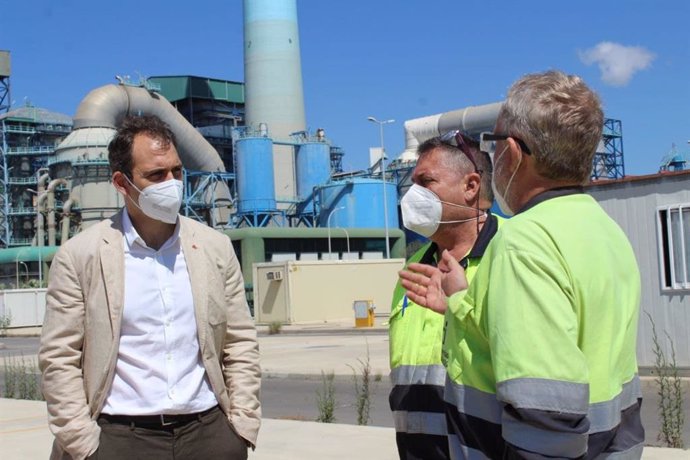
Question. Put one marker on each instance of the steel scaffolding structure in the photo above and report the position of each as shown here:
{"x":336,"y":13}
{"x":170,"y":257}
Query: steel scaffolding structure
{"x":28,"y":136}
{"x":608,"y":162}
{"x":5,"y":98}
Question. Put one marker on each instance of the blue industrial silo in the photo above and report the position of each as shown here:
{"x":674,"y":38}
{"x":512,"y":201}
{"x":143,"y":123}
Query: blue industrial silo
{"x":255,"y":188}
{"x":358,"y":203}
{"x":313,"y":169}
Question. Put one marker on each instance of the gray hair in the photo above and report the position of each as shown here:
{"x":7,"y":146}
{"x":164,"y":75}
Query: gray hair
{"x":559,"y":118}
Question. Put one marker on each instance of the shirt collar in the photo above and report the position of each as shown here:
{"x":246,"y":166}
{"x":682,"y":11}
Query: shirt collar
{"x":552,"y":193}
{"x":132,"y":236}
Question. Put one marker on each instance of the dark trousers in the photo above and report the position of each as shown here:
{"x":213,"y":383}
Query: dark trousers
{"x":209,"y":437}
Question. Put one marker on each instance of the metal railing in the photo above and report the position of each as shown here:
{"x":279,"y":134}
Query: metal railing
{"x":20,"y":241}
{"x":30,"y":150}
{"x":21,"y":128}
{"x":22,"y":211}
{"x":22,"y":180}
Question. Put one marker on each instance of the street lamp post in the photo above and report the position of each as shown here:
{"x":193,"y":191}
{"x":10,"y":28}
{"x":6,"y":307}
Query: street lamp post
{"x":383,"y":180}
{"x":347,"y":236}
{"x":26,"y":268}
{"x":328,"y":224}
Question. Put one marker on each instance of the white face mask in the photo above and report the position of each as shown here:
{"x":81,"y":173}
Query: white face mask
{"x":160,"y":201}
{"x":422,"y":210}
{"x":501,"y":197}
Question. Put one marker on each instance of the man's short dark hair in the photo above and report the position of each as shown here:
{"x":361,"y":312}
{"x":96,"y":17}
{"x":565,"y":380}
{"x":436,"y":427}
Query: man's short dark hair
{"x":120,"y":147}
{"x":458,"y":161}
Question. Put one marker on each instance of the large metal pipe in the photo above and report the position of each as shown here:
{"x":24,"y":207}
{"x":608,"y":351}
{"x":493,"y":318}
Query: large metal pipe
{"x":107,"y":106}
{"x":273,"y":80}
{"x":472,"y":119}
{"x":40,"y":200}
{"x":66,"y":216}
{"x":50,"y":208}
{"x":98,"y":116}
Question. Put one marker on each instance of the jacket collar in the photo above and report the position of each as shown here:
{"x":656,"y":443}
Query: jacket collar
{"x":196,"y":258}
{"x":549,"y":194}
{"x":112,"y":259}
{"x":487,"y":232}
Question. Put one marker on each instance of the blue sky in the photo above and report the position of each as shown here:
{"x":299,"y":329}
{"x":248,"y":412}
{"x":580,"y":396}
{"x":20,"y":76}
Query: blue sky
{"x":390,"y":59}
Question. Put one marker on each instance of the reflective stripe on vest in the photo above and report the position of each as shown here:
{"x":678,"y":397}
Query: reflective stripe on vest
{"x":433,"y":423}
{"x":493,"y":425}
{"x":432,"y":374}
{"x":603,"y":416}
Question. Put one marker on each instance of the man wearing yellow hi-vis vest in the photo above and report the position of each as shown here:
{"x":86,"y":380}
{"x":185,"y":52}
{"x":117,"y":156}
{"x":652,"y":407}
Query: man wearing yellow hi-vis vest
{"x":540,"y":348}
{"x":451,"y":190}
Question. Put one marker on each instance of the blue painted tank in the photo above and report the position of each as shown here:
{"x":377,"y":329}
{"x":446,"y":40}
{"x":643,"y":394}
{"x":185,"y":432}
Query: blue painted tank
{"x":254,"y":175}
{"x":313,"y":168}
{"x":358,"y":203}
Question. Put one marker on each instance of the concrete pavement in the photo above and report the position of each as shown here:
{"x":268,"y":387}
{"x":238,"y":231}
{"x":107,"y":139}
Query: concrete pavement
{"x":24,"y":435}
{"x":304,"y":351}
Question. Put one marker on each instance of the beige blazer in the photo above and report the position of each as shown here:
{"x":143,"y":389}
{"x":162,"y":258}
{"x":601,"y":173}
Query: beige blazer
{"x":81,"y":331}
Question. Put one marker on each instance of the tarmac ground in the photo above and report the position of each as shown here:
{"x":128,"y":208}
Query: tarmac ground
{"x":298,"y":352}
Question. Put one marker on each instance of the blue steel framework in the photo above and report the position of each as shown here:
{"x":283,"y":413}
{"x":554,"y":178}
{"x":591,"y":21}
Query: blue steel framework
{"x":5,"y":102}
{"x":610,"y":163}
{"x":5,"y":205}
{"x":27,"y":139}
{"x":674,"y":161}
{"x":5,"y":97}
{"x":199,"y":187}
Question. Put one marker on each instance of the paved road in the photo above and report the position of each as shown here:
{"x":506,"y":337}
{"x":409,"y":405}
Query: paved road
{"x":292,"y":397}
{"x":295,"y":399}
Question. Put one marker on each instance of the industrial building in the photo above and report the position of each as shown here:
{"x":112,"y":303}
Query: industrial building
{"x":29,"y":137}
{"x":253,"y":171}
{"x":654,"y":212}
{"x":250,"y":164}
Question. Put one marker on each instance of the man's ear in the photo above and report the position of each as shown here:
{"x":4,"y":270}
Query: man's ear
{"x":472,"y":184}
{"x":119,"y":181}
{"x":513,"y":154}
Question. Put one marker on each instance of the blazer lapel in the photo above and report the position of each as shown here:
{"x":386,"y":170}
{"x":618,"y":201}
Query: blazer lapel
{"x":196,"y":268}
{"x":113,"y":272}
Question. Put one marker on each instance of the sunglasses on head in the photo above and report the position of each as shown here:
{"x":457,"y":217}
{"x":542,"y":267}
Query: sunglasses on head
{"x":488,"y":143}
{"x":463,"y":143}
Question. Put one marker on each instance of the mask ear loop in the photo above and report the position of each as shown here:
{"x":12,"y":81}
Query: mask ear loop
{"x":479,"y":191}
{"x":137,"y":189}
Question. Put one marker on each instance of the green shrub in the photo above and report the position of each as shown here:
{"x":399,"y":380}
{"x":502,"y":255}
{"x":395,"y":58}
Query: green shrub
{"x":325,"y":399}
{"x":670,"y":392}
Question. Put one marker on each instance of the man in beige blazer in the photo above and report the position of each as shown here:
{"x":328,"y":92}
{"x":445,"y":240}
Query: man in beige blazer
{"x":148,"y":349}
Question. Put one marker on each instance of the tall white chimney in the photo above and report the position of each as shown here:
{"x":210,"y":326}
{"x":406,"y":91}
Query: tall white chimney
{"x":273,"y":80}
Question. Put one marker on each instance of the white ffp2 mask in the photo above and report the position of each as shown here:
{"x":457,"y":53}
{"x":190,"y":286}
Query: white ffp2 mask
{"x":160,"y":201}
{"x":422,"y":210}
{"x":501,"y":197}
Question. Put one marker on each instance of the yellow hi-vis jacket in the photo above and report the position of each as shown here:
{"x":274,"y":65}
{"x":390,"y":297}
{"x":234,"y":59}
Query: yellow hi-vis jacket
{"x":417,"y":374}
{"x":540,"y":350}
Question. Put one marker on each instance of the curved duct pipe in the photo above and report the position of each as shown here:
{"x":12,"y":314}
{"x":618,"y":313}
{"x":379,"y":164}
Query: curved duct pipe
{"x":108,"y":105}
{"x":42,"y":176}
{"x":40,"y":220}
{"x":66,"y":213}
{"x":50,"y":208}
{"x":40,"y":200}
{"x":472,"y":119}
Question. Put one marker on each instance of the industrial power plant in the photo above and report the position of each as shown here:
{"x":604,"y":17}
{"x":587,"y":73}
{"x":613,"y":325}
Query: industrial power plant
{"x":252,"y":169}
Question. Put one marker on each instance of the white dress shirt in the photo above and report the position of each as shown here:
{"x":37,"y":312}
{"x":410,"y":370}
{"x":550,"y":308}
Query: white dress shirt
{"x":159,"y":368}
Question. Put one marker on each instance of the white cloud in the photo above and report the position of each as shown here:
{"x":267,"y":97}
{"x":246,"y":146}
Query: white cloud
{"x":618,"y":63}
